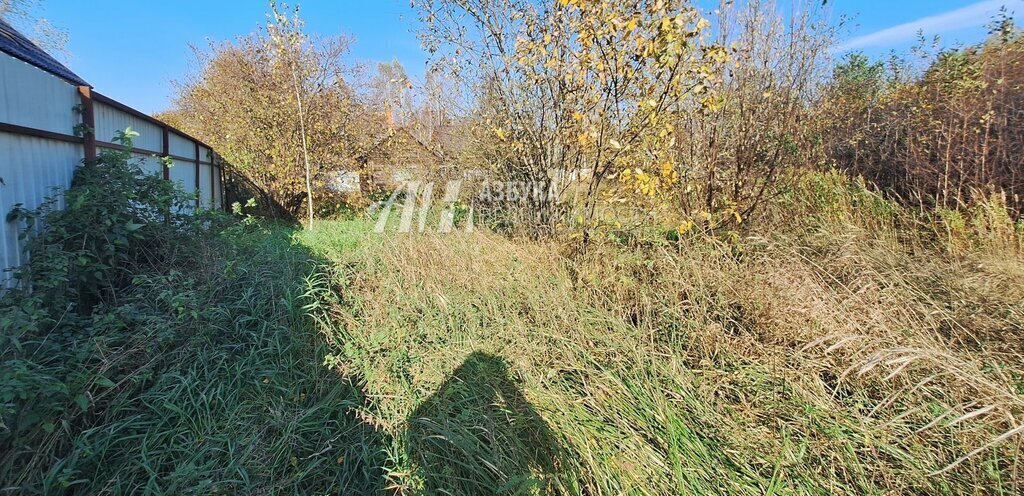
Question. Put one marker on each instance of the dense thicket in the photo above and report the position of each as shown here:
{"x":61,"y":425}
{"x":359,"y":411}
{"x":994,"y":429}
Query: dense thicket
{"x":944,"y":137}
{"x":661,"y":113}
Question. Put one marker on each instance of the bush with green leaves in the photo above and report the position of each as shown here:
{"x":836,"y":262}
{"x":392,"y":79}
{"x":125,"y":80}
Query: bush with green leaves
{"x":117,"y":219}
{"x":144,"y":345}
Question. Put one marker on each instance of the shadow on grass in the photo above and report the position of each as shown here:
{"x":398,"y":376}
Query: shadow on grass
{"x":478,"y":435}
{"x":209,"y":379}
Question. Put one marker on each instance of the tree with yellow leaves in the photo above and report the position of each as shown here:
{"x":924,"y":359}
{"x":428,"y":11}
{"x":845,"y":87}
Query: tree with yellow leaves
{"x":578,"y":89}
{"x":280,"y":107}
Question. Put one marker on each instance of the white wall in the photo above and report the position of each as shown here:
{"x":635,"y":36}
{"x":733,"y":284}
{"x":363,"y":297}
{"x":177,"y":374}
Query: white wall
{"x":110,"y":120}
{"x":181,"y":146}
{"x":149,"y":164}
{"x":34,"y":98}
{"x":33,"y":168}
{"x":205,"y":186}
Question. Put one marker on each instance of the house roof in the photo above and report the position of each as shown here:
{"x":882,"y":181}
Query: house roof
{"x":18,"y":46}
{"x":392,"y":134}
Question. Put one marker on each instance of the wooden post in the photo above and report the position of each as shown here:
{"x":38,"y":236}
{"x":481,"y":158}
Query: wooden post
{"x":213,"y":184}
{"x":223,"y":193}
{"x":89,"y":124}
{"x":199,"y":193}
{"x":166,"y":151}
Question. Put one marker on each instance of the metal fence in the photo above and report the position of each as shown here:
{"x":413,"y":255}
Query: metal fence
{"x":44,"y":123}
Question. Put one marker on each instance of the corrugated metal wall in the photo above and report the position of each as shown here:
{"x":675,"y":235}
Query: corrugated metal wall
{"x":32,"y":168}
{"x":181,"y":149}
{"x":149,"y":163}
{"x":110,"y":120}
{"x":35,"y":166}
{"x":181,"y":146}
{"x":34,"y":98}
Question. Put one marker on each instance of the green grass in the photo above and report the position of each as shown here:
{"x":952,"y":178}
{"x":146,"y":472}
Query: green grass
{"x":219,"y":388}
{"x":829,"y":357}
{"x":612,"y":419}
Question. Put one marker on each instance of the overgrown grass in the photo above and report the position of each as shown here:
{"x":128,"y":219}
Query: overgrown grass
{"x":207,"y":378}
{"x":148,"y":351}
{"x":841,"y":348}
{"x":844,"y":346}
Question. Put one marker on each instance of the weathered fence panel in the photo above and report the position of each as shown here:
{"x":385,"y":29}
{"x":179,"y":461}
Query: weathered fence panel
{"x":51,"y":121}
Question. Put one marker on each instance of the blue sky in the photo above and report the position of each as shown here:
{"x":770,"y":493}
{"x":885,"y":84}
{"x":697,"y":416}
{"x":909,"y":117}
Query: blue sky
{"x":131,"y":51}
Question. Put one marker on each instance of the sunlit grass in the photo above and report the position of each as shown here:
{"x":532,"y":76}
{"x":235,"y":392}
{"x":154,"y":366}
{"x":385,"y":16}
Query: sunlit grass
{"x":689,"y":368}
{"x":841,"y":348}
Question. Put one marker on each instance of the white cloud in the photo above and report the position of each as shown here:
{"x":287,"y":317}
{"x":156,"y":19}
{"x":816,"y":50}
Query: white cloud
{"x":973,"y":15}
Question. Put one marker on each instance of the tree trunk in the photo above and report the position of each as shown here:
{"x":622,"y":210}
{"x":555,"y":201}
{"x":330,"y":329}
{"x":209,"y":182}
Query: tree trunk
{"x":305,"y":150}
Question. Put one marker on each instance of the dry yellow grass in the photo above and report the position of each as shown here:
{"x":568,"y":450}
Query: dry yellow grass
{"x":827,"y":353}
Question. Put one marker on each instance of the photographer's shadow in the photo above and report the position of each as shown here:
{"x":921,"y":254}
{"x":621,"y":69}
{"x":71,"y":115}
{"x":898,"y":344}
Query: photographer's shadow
{"x":478,"y":435}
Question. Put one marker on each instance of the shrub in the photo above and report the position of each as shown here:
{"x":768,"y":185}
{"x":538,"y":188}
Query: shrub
{"x":946,"y":136}
{"x":64,"y":312}
{"x":143,"y":349}
{"x":116,"y":218}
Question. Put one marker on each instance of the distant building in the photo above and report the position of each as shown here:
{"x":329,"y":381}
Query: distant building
{"x":344,"y":181}
{"x":398,"y":157}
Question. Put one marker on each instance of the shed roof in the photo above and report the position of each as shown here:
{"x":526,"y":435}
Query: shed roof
{"x":17,"y":45}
